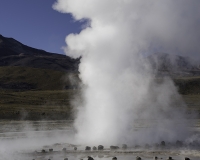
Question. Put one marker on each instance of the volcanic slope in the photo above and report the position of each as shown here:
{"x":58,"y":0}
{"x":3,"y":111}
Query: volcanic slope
{"x":14,"y":53}
{"x":35,"y":84}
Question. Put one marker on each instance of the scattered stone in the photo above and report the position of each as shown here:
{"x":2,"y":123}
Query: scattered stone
{"x":114,"y":147}
{"x":124,"y":146}
{"x":49,"y":159}
{"x":100,"y":147}
{"x":64,"y":149}
{"x":155,"y":158}
{"x":94,"y":148}
{"x":50,"y":150}
{"x":186,"y":158}
{"x":65,"y":158}
{"x":114,"y":158}
{"x":90,"y":158}
{"x":75,"y":148}
{"x":87,"y":148}
{"x":138,"y":158}
{"x":162,"y":143}
{"x":43,"y":151}
{"x":170,"y":158}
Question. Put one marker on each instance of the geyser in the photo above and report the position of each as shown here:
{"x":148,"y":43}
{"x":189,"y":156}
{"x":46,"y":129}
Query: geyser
{"x":119,"y":89}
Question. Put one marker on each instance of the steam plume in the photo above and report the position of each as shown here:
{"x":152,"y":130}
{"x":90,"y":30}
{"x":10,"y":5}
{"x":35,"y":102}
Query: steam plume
{"x":119,"y":87}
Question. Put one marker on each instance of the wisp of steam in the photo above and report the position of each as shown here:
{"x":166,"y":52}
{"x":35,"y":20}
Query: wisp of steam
{"x":123,"y":102}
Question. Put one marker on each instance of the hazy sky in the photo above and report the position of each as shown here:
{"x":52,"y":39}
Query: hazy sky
{"x":36,"y":24}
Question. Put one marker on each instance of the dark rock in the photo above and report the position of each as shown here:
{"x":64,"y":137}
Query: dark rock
{"x":179,"y":143}
{"x":94,"y":148}
{"x":155,"y":158}
{"x":186,"y":158}
{"x":50,"y":150}
{"x":114,"y":158}
{"x":170,"y":158}
{"x":64,"y":149}
{"x":100,"y":147}
{"x":43,"y":151}
{"x":162,"y":143}
{"x":65,"y":158}
{"x":75,"y":148}
{"x":114,"y":147}
{"x":138,"y":158}
{"x":87,"y":148}
{"x":90,"y":158}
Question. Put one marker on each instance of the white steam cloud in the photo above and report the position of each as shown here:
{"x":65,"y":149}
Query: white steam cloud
{"x":119,"y":89}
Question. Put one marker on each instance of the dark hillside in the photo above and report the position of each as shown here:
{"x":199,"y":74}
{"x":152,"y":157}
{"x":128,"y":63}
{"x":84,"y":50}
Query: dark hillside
{"x":173,"y":65}
{"x":14,"y":53}
{"x":188,"y":85}
{"x":24,"y":78}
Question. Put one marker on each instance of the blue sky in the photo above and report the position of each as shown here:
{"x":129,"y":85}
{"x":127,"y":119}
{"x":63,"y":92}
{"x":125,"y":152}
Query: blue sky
{"x":36,"y":24}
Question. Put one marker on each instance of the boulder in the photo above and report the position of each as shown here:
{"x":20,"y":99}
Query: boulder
{"x":100,"y":147}
{"x":138,"y":158}
{"x":186,"y":158}
{"x":114,"y":147}
{"x":124,"y":146}
{"x":87,"y":148}
{"x":162,"y":143}
{"x":90,"y":158}
{"x":65,"y":158}
{"x":51,"y":150}
{"x":43,"y":151}
{"x":114,"y":158}
{"x":94,"y":148}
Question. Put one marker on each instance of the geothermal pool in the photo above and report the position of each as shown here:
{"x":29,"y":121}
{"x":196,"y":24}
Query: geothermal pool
{"x":22,"y":140}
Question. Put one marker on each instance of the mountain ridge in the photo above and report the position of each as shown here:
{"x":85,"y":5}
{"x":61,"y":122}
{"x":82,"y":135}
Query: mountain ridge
{"x":14,"y":53}
{"x":173,"y":64}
